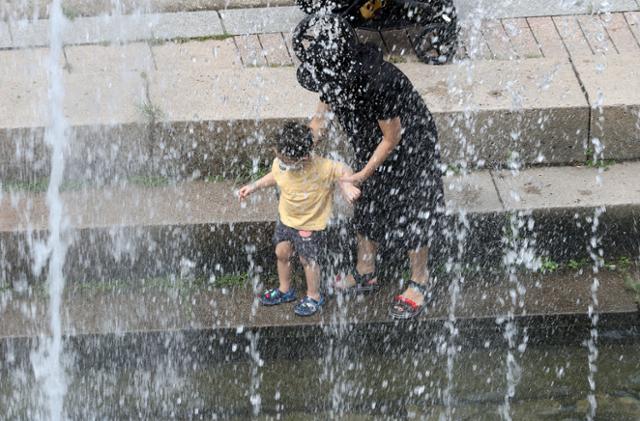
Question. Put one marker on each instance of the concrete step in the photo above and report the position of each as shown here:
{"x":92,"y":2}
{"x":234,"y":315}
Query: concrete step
{"x":144,"y":320}
{"x":191,"y":118}
{"x":81,"y":9}
{"x":199,"y":229}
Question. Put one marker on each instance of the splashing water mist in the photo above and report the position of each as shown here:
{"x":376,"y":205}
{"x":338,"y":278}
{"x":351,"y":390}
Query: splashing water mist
{"x":47,"y":360}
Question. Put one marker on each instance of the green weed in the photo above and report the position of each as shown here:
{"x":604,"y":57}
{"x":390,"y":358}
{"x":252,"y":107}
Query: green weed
{"x":549,"y":266}
{"x":592,"y":161}
{"x":577,"y":264}
{"x":149,"y":181}
{"x":150,"y":112}
{"x":395,"y":59}
{"x":69,"y":12}
{"x":184,"y":40}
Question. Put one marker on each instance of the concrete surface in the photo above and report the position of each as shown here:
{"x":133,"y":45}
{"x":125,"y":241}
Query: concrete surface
{"x":473,"y":192}
{"x":502,"y":8}
{"x":260,"y":20}
{"x":618,"y":29}
{"x":109,"y":29}
{"x":613,"y":87}
{"x":126,"y":232}
{"x":198,"y":203}
{"x":5,"y":36}
{"x":200,"y":56}
{"x":215,"y":202}
{"x":209,"y":107}
{"x":137,"y":308}
{"x":228,"y":95}
{"x":569,"y":187}
{"x":486,"y":110}
{"x":547,"y":37}
{"x":186,"y":25}
{"x":95,"y":99}
{"x":134,"y":57}
{"x":25,"y":33}
{"x":517,"y":8}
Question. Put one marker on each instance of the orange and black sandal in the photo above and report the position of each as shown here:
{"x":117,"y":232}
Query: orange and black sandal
{"x":403,"y":308}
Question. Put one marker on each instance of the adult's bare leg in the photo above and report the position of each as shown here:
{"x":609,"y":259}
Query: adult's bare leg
{"x":418,"y":259}
{"x":366,"y":260}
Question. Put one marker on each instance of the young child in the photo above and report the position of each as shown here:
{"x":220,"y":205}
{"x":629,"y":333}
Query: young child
{"x":306,"y":184}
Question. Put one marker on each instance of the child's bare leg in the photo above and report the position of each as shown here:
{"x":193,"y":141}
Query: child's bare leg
{"x":284,"y":251}
{"x":312,"y":274}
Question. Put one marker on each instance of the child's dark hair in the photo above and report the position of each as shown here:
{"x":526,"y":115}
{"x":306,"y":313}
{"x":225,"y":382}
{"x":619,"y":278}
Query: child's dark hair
{"x":295,"y":140}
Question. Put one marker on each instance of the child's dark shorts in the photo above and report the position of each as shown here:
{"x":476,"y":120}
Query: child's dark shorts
{"x":308,"y":244}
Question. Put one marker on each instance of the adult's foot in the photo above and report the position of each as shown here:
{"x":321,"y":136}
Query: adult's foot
{"x":411,"y":302}
{"x":357,"y":282}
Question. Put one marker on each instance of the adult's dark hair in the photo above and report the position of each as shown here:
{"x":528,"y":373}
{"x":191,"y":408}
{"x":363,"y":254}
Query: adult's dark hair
{"x":295,"y":140}
{"x":325,"y":46}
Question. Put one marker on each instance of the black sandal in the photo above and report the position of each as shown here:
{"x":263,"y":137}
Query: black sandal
{"x":403,"y":308}
{"x":364,"y":283}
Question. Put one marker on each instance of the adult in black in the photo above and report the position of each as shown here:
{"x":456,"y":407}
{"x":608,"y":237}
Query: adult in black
{"x":394,"y":139}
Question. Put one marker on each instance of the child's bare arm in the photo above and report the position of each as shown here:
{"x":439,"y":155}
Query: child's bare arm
{"x":266,"y":181}
{"x":348,"y":189}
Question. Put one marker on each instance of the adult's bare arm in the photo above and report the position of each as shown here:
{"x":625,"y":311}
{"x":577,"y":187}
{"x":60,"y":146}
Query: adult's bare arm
{"x":319,"y":122}
{"x":391,"y":135}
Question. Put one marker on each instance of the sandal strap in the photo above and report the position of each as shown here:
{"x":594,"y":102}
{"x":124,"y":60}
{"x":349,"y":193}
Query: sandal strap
{"x":365,"y":278}
{"x":419,"y":287}
{"x":405,"y":302}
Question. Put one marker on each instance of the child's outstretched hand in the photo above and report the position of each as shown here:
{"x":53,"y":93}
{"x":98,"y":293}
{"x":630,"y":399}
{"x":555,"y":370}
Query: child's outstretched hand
{"x":245,"y":191}
{"x":349,"y":191}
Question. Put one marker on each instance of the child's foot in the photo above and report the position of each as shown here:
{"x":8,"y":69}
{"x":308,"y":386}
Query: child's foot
{"x":274,"y":296}
{"x":308,"y":306}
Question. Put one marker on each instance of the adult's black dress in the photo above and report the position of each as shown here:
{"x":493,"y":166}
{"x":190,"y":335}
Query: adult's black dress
{"x":402,"y":202}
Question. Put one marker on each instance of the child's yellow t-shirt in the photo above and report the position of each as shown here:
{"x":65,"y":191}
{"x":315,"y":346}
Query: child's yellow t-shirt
{"x":306,"y":195}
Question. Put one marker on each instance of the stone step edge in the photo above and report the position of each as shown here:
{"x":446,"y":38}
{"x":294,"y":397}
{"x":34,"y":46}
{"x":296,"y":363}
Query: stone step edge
{"x":252,"y":16}
{"x":170,"y":245}
{"x":535,"y":190}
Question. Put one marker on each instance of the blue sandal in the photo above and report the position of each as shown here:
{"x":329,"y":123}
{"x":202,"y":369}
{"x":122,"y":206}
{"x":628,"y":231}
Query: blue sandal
{"x":274,"y":296}
{"x":308,"y":306}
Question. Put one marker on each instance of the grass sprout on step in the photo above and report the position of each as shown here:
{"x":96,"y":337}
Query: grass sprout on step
{"x":549,"y":266}
{"x":592,"y":161}
{"x":184,"y":40}
{"x":150,"y":112}
{"x":149,"y":181}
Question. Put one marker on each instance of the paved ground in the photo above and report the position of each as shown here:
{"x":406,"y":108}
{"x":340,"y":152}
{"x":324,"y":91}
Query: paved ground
{"x":497,"y":8}
{"x":138,"y":307}
{"x":534,"y":35}
{"x":198,"y":202}
{"x":216,"y":96}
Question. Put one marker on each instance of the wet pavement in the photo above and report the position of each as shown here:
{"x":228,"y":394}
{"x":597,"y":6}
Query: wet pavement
{"x":154,"y":306}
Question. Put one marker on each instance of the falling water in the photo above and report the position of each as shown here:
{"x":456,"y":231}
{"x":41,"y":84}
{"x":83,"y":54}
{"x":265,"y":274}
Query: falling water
{"x":456,"y":269}
{"x":520,"y":253}
{"x":519,"y":244}
{"x":596,"y":253}
{"x":47,"y":360}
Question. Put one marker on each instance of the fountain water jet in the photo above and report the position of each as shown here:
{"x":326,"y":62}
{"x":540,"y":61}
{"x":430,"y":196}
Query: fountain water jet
{"x":47,"y":360}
